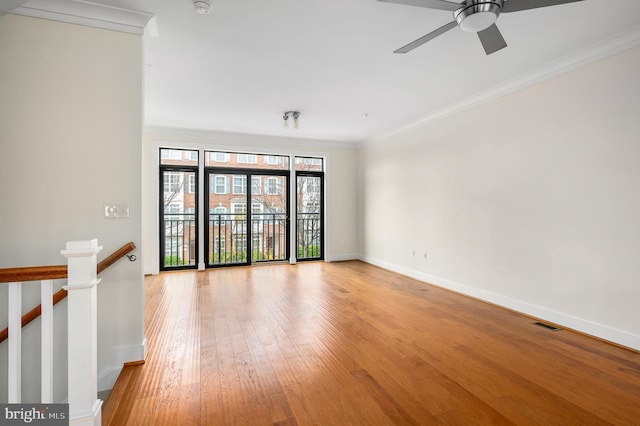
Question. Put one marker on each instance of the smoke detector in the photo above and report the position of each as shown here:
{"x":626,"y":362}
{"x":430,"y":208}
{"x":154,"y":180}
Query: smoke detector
{"x":202,"y":6}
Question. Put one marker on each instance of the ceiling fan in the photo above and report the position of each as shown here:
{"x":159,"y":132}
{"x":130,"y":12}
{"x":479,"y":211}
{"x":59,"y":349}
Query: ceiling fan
{"x":476,"y":16}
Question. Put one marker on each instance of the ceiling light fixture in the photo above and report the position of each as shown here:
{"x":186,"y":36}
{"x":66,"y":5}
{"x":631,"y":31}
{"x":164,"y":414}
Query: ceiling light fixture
{"x":294,"y":115}
{"x":202,"y":6}
{"x":478,"y":15}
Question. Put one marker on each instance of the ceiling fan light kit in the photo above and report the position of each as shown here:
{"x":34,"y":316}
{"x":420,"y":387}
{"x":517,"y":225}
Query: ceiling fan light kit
{"x":478,"y":15}
{"x":475,"y":16}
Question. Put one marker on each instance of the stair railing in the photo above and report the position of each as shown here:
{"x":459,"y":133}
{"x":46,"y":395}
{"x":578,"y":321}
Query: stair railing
{"x":81,"y":273}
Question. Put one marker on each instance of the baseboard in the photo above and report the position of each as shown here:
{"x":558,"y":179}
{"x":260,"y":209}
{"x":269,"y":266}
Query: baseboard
{"x":600,"y":331}
{"x":107,"y":377}
{"x":86,"y":418}
{"x":120,"y":355}
{"x":343,"y":257}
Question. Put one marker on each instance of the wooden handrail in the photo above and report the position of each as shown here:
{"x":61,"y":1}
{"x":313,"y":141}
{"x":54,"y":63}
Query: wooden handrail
{"x":115,"y":256}
{"x":38,"y":273}
{"x":32,"y":273}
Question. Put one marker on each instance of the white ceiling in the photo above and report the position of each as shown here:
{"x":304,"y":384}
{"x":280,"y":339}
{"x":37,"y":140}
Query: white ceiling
{"x":240,"y":67}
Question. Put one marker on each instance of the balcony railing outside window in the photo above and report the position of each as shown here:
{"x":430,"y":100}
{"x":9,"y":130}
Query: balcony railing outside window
{"x":309,"y":235}
{"x":228,"y":237}
{"x":180,"y":235}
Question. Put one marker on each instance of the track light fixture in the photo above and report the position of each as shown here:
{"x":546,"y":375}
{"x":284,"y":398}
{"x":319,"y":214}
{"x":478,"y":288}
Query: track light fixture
{"x":291,"y":114}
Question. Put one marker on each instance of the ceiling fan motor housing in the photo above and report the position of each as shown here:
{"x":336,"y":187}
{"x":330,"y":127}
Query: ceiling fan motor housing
{"x":477,"y":15}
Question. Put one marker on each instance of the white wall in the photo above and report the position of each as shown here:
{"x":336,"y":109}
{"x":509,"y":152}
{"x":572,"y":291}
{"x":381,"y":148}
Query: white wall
{"x":529,"y":201}
{"x":70,"y":140}
{"x":342,"y":241}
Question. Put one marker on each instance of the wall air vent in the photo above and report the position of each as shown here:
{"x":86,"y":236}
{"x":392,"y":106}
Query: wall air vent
{"x":547,"y":326}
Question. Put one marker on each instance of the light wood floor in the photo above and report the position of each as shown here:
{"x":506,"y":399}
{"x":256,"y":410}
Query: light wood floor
{"x":351,"y":344}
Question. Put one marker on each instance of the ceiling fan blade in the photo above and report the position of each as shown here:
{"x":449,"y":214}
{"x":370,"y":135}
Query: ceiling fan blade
{"x":492,"y":40}
{"x":422,"y":40}
{"x":431,"y":4}
{"x":518,"y":5}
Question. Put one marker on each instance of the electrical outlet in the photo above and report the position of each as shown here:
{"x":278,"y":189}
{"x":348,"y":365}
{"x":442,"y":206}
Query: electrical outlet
{"x":425,"y":255}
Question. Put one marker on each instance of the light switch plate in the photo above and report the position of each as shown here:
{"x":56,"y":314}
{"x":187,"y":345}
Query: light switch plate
{"x":116,"y":211}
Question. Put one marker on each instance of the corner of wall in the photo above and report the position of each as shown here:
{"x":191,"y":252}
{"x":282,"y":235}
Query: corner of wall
{"x":119,"y":356}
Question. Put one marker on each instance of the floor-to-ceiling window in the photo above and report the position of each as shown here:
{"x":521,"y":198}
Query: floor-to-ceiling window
{"x":246,"y":206}
{"x":245,"y":212}
{"x":178,"y":209}
{"x":309,"y":208}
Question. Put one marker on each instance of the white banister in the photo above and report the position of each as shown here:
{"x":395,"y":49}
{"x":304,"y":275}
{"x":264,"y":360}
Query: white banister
{"x":46,"y":338}
{"x":15,"y":342}
{"x":84,"y":406}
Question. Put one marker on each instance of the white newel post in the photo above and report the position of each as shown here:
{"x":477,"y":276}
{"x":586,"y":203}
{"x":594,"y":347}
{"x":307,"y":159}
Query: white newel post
{"x":84,"y":406}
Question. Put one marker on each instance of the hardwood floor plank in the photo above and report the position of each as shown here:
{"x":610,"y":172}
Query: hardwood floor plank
{"x":352,"y":344}
{"x":189,"y":404}
{"x":211,"y":407}
{"x":286,"y":422}
{"x":117,"y":396}
{"x":142,"y":412}
{"x":297,"y":402}
{"x":280,"y":409}
{"x":394,"y":411}
{"x":123,"y":396}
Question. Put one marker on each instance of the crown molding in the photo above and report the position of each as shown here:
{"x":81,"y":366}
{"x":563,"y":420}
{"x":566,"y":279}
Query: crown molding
{"x":6,"y":6}
{"x":87,"y":13}
{"x":241,"y":139}
{"x":577,"y":59}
